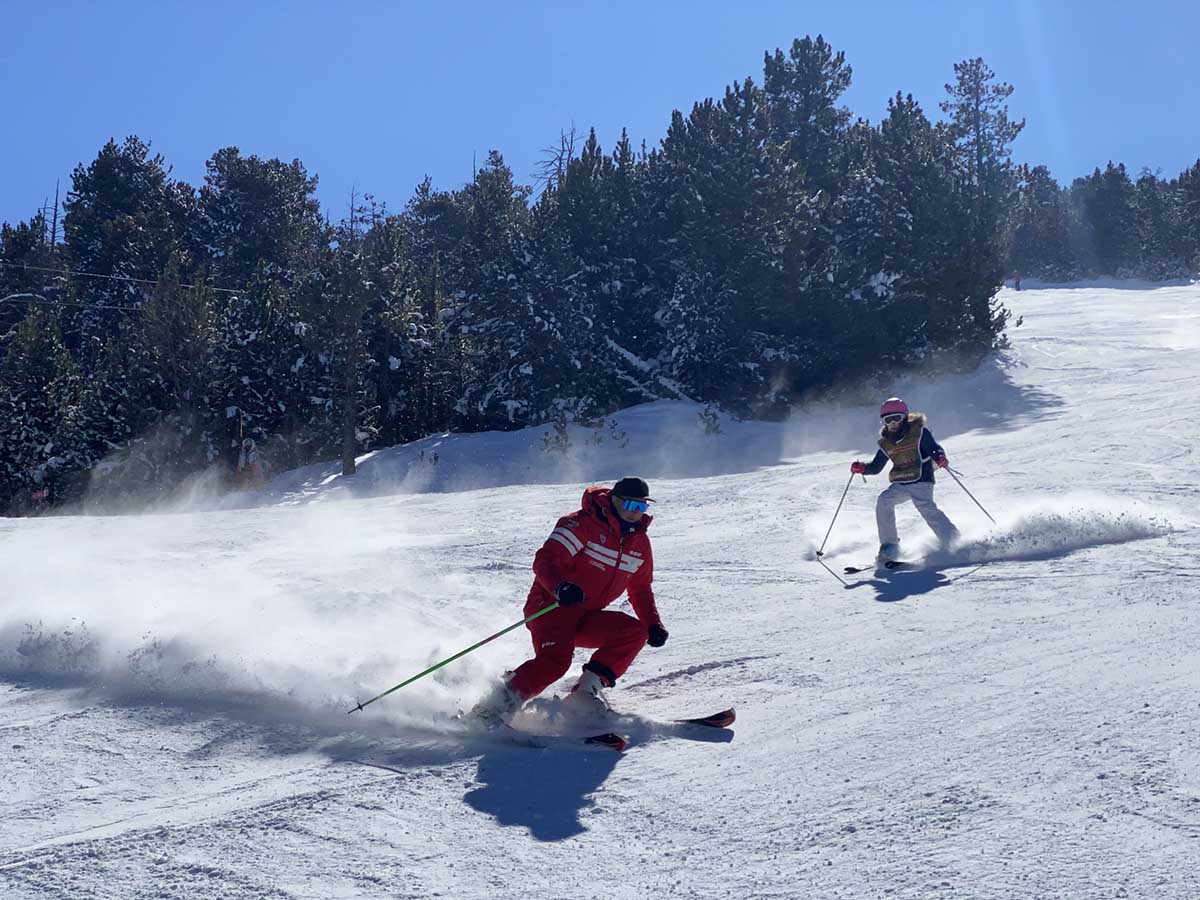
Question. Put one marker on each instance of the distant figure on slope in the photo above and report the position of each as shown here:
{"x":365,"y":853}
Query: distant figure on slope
{"x":249,"y":469}
{"x":904,"y":439}
{"x":1017,"y":280}
{"x":590,"y":559}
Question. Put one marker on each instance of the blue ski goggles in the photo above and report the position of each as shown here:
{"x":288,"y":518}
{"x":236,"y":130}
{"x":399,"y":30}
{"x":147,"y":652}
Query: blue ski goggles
{"x":630,"y":505}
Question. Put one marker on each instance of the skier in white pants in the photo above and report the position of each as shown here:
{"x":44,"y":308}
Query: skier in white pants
{"x":904,"y":439}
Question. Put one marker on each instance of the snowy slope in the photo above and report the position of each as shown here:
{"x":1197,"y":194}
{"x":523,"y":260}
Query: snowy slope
{"x":173,"y":687}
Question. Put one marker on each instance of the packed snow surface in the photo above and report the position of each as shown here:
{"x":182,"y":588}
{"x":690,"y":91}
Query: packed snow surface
{"x":1017,"y":719}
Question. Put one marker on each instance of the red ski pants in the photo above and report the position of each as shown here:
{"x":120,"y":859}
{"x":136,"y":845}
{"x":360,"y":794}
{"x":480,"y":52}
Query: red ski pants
{"x":616,"y":637}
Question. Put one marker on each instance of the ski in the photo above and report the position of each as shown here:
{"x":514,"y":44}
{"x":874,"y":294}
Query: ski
{"x":722,"y":719}
{"x":626,"y":730}
{"x":610,"y":740}
{"x":892,"y":564}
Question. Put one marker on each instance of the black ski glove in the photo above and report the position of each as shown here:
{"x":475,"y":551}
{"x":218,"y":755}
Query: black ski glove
{"x":568,"y":593}
{"x":658,"y":636}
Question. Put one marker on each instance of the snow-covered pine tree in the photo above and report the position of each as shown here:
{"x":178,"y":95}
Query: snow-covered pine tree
{"x":38,"y":384}
{"x":1186,"y":195}
{"x":121,"y":401}
{"x":334,"y":299}
{"x":25,"y":244}
{"x":125,"y":216}
{"x":422,"y":366}
{"x":177,"y":327}
{"x":920,"y":230}
{"x":261,"y":375}
{"x":520,"y":338}
{"x":1104,"y":202}
{"x":256,"y":217}
{"x":1159,"y":251}
{"x":807,"y":128}
{"x":1041,"y":242}
{"x":583,"y":253}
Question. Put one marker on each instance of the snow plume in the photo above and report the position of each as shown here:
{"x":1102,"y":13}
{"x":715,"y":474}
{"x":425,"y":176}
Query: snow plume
{"x":159,"y":471}
{"x":1063,"y":526}
{"x":285,"y":615}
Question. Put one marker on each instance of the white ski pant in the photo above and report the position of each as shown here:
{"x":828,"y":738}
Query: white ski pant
{"x":921,"y":494}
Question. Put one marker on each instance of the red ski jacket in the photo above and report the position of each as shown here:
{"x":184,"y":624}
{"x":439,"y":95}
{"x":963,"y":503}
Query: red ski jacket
{"x":588,"y":548}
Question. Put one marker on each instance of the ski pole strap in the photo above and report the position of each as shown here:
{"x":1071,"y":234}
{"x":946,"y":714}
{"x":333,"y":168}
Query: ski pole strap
{"x":450,"y":659}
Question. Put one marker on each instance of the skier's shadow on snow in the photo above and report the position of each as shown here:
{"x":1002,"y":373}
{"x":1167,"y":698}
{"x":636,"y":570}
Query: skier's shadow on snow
{"x":541,"y":790}
{"x":899,"y":584}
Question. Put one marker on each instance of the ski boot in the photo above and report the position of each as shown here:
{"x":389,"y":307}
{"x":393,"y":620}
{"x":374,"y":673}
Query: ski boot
{"x":887,"y":553}
{"x":586,"y":699}
{"x":497,"y":707}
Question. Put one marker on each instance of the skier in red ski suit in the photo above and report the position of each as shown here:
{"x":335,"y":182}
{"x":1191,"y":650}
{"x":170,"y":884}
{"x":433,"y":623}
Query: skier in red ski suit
{"x":590,"y":559}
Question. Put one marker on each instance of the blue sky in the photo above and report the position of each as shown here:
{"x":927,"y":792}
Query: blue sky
{"x":375,"y":95}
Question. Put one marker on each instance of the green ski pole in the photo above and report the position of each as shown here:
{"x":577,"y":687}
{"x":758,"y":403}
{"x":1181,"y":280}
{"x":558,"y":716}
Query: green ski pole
{"x":450,"y":659}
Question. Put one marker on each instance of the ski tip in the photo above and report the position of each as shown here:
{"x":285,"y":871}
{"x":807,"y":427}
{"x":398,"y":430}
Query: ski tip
{"x":722,"y":719}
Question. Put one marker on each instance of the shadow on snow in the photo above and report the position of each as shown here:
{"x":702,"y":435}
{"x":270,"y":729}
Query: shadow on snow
{"x":891,"y":585}
{"x":544,"y":791}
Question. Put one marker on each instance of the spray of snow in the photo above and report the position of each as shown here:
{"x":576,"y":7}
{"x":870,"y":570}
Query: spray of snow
{"x":170,"y":609}
{"x":1055,"y":528}
{"x":1042,"y":530}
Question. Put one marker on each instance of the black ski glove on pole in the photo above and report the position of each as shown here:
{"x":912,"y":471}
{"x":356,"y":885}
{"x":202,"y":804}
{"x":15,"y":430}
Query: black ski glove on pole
{"x":568,"y":593}
{"x":658,"y":636}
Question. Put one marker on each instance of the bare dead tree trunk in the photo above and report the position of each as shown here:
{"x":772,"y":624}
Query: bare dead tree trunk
{"x":555,"y":160}
{"x":54,"y":220}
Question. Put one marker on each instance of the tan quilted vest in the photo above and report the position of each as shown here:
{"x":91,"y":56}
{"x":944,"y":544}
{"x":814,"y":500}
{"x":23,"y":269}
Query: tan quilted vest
{"x":905,"y":453}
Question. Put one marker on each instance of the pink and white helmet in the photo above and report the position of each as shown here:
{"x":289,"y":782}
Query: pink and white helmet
{"x":893,"y":405}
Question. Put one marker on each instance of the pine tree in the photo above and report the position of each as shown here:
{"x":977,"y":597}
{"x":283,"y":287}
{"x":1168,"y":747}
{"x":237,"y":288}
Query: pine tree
{"x":334,"y":301}
{"x":809,"y":129}
{"x":517,"y":329}
{"x":178,"y":329}
{"x":1041,"y":243}
{"x":584,"y":241}
{"x":38,"y":384}
{"x":125,"y":217}
{"x":802,"y":92}
{"x":26,"y":244}
{"x":1158,"y":249}
{"x":701,"y":354}
{"x":1186,"y":192}
{"x":1104,"y":202}
{"x":920,"y":229}
{"x":422,"y":383}
{"x":983,"y":135}
{"x":120,"y":402}
{"x":728,"y":217}
{"x":256,"y":217}
{"x":258,"y":374}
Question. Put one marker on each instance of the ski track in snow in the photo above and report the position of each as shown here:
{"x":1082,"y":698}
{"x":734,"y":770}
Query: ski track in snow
{"x":1016,"y":720}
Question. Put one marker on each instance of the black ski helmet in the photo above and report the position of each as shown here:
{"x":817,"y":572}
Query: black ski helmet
{"x":632,"y":489}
